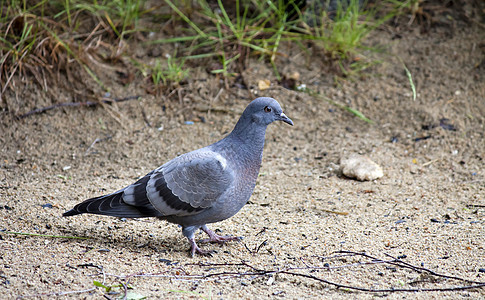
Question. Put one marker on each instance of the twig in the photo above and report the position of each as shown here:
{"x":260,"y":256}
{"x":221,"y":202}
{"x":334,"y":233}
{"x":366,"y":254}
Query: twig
{"x":474,"y":205}
{"x":76,"y":104}
{"x":247,"y":248}
{"x":125,"y":290}
{"x":212,"y":101}
{"x":374,"y":262}
{"x":261,"y":245}
{"x":430,"y":162}
{"x":392,"y":290}
{"x":342,"y":213}
{"x":244,"y":269}
{"x":400,"y":263}
{"x":422,"y":269}
{"x":97,"y":140}
{"x":289,"y":271}
{"x":261,"y":231}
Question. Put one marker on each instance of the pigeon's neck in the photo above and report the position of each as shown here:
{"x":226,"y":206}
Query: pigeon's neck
{"x":248,"y":137}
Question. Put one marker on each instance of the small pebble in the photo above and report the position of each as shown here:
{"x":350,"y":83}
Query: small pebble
{"x":47,"y":205}
{"x":360,"y":167}
{"x":301,"y":87}
{"x":168,"y":262}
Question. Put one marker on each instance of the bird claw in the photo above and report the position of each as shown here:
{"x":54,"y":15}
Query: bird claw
{"x":215,"y":238}
{"x":195,"y":249}
{"x":200,"y":251}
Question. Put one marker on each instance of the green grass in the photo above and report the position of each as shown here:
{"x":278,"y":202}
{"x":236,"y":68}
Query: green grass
{"x":36,"y":39}
{"x":261,"y":27}
{"x":42,"y":39}
{"x":231,"y":36}
{"x":123,"y":291}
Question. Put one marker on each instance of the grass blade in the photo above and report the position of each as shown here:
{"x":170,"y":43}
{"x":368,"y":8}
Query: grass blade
{"x":181,"y":14}
{"x":353,"y":111}
{"x":410,"y":77}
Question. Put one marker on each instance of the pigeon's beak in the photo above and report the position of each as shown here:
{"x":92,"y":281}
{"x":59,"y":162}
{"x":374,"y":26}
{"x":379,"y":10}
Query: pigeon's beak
{"x":285,"y":119}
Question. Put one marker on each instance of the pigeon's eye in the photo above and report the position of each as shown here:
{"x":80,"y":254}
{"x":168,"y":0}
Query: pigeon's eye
{"x":267,"y":109}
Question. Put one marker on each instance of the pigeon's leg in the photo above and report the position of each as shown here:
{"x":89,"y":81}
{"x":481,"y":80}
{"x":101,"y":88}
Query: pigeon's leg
{"x":215,"y":238}
{"x":195,"y":249}
{"x":189,"y":233}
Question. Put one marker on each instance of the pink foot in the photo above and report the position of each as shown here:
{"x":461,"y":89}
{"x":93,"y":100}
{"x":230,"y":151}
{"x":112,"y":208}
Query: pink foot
{"x":215,"y":238}
{"x":195,"y":249}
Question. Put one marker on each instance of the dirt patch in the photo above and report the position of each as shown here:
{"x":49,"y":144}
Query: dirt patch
{"x":427,"y":209}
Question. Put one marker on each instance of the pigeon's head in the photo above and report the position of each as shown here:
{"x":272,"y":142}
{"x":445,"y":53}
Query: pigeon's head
{"x":265,"y":111}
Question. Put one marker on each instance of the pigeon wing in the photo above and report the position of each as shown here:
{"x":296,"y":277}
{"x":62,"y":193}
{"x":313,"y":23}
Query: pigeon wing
{"x":189,"y":183}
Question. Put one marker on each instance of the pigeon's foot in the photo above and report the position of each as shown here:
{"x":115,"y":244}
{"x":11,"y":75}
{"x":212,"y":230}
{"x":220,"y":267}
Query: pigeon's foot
{"x":195,"y":249}
{"x":215,"y":238}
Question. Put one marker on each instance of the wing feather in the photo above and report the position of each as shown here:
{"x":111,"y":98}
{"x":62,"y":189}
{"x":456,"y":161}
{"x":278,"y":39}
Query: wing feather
{"x":189,"y":183}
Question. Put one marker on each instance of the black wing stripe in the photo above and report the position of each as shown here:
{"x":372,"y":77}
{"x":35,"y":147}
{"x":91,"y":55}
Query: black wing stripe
{"x":170,"y":199}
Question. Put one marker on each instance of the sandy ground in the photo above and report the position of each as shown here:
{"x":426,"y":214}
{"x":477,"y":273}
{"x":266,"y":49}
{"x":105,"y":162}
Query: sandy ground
{"x":428,"y":209}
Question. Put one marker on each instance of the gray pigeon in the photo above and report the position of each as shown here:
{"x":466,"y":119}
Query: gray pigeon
{"x":204,"y":186}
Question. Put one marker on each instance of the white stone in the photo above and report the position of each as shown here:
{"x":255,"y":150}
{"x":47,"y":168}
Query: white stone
{"x":360,"y":167}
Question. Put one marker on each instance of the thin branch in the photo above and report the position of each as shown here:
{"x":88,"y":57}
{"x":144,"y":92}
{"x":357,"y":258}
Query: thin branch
{"x":391,"y":290}
{"x":400,"y":263}
{"x":244,"y":269}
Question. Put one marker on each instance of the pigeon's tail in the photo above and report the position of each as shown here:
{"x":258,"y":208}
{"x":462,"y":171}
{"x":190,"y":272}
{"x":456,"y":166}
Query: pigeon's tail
{"x":113,"y":205}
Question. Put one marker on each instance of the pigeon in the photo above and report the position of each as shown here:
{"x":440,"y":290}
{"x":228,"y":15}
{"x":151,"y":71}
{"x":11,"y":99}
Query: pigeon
{"x":203,"y":186}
